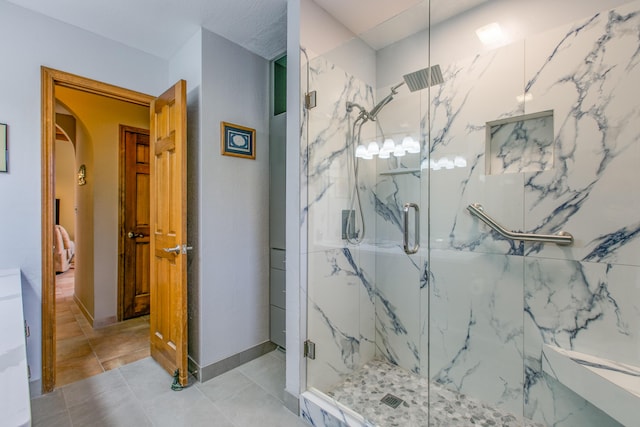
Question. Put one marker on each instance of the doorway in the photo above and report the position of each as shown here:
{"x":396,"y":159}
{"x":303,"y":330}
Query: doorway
{"x":88,"y":185}
{"x":134,"y":243}
{"x":50,"y":80}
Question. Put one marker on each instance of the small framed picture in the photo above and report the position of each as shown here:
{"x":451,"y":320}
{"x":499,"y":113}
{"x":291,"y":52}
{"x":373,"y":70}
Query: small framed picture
{"x":238,"y":141}
{"x":4,"y":149}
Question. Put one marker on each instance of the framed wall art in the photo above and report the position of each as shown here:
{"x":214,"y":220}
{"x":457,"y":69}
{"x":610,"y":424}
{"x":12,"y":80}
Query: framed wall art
{"x":237,"y":141}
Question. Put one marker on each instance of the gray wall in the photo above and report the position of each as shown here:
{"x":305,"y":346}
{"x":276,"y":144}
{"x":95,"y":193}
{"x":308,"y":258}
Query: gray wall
{"x":229,"y":308}
{"x":35,"y":41}
{"x":234,"y":200}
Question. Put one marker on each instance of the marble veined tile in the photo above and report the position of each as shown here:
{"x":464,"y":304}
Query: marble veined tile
{"x":475,"y":91}
{"x":476,"y":335}
{"x":390,"y":194}
{"x":523,"y":144}
{"x":338,"y":286}
{"x":593,"y":308}
{"x":327,"y":152}
{"x":398,"y":331}
{"x":587,"y":74}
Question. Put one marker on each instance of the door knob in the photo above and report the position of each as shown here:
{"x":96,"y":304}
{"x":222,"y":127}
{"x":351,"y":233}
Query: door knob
{"x":178,"y":249}
{"x":133,"y":235}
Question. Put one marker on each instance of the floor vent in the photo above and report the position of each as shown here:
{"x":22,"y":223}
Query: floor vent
{"x":391,"y":400}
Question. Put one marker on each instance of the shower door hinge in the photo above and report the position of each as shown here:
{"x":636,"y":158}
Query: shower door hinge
{"x":310,"y":349}
{"x":310,"y":100}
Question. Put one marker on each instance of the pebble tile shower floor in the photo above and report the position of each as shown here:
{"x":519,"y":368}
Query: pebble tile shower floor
{"x":364,"y":390}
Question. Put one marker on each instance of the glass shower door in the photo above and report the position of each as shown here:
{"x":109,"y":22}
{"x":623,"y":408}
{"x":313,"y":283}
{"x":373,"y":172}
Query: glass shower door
{"x":533,"y":128}
{"x":365,"y":293}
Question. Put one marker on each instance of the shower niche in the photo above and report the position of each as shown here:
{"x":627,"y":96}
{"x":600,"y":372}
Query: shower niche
{"x":520,"y":144}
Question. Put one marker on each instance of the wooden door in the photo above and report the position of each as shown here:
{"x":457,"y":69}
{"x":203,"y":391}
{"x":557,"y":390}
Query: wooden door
{"x":168,"y":320}
{"x":135,"y":228}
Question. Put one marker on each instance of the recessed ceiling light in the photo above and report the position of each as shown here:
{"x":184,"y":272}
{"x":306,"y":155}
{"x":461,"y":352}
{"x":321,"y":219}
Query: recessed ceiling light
{"x":491,"y":35}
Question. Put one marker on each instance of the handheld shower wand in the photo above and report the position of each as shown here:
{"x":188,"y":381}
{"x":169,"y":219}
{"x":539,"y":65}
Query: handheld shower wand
{"x":415,"y":81}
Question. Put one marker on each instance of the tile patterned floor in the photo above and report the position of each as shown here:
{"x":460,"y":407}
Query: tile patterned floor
{"x":139,"y":394}
{"x":81,"y":351}
{"x":422,"y":403}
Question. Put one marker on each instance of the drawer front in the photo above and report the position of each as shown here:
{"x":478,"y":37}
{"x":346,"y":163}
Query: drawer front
{"x":277,"y":288}
{"x":278,"y":259}
{"x":277,"y":325}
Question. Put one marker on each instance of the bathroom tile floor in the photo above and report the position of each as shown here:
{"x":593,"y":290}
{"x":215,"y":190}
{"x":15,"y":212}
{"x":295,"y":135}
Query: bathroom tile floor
{"x":423,"y":403}
{"x":82,"y":351}
{"x":139,"y":394}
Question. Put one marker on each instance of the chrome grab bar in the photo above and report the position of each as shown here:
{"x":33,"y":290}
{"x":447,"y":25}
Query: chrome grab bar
{"x":560,"y":238}
{"x":405,"y":237}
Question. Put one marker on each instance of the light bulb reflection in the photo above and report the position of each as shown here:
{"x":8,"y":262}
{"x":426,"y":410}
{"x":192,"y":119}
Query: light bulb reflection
{"x":373,"y":148}
{"x":399,"y":151}
{"x":388,"y":146}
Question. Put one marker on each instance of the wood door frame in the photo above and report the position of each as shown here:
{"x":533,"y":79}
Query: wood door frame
{"x":49,"y":79}
{"x":122,"y":177}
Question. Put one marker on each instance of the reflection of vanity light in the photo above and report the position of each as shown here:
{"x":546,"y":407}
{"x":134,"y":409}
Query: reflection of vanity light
{"x":361,"y":151}
{"x":411,"y":145}
{"x":415,"y":149}
{"x":399,"y":151}
{"x":444,"y":163}
{"x":460,"y":162}
{"x":388,"y":146}
{"x":384,"y":154}
{"x":491,"y":35}
{"x":373,"y":148}
{"x":407,"y":142}
{"x":524,"y":98}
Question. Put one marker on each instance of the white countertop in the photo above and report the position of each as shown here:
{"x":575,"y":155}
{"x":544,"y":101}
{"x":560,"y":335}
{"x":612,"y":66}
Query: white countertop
{"x":15,"y":405}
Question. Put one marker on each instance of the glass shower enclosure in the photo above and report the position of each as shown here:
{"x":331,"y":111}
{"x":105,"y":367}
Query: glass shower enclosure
{"x":470,"y":213}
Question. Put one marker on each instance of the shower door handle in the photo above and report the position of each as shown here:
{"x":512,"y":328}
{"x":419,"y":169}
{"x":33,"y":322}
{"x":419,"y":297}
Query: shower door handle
{"x":405,"y":237}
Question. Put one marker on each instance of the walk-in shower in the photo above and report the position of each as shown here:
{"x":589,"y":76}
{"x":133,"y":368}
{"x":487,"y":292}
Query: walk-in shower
{"x":501,"y":317}
{"x":415,"y":81}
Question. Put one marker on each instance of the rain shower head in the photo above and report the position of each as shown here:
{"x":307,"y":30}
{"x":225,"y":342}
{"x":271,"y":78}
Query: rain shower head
{"x":415,"y":81}
{"x":424,"y":78}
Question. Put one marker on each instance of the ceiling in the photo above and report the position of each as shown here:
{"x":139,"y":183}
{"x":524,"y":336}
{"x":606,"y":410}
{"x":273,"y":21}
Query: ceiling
{"x":161,"y":27}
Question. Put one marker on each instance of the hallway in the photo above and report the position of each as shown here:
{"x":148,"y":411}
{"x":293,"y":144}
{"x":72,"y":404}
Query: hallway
{"x":81,"y":351}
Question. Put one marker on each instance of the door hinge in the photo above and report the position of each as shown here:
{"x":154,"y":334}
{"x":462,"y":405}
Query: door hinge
{"x":310,"y":99}
{"x":310,"y":349}
{"x":27,"y":332}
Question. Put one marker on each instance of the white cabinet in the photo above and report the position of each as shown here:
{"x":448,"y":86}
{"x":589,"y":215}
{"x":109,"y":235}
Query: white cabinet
{"x":277,"y":297}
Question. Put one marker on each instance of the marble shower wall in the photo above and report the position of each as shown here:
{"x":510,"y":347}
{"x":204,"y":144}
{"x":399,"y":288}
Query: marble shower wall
{"x":585,"y":297}
{"x":340,"y":277}
{"x":372,"y":300}
{"x":400,"y":277}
